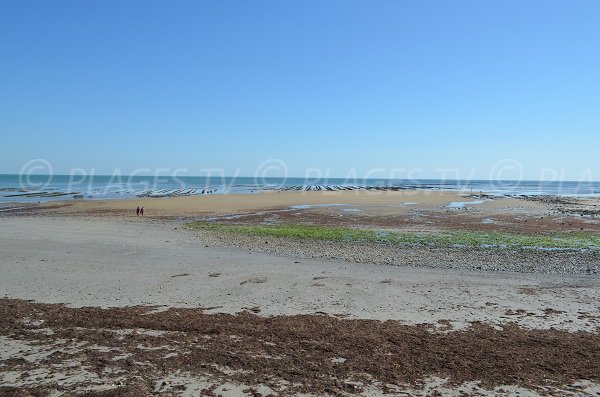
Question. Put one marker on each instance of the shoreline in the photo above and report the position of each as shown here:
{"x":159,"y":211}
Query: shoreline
{"x":234,"y":203}
{"x":410,"y":210}
{"x":52,"y":196}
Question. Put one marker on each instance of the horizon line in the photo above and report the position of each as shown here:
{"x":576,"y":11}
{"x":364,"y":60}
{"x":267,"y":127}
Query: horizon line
{"x":301,"y":177}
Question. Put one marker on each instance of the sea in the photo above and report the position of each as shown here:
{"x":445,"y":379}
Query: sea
{"x":42,"y":188}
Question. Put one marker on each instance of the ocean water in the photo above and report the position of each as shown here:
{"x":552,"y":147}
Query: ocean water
{"x":40,"y":188}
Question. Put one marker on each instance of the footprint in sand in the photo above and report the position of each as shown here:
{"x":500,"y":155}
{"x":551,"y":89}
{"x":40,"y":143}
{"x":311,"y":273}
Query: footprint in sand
{"x":254,"y":280}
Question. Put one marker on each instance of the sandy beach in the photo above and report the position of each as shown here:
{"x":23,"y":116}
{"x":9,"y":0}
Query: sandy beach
{"x":97,"y":300}
{"x":300,"y":199}
{"x":380,"y":201}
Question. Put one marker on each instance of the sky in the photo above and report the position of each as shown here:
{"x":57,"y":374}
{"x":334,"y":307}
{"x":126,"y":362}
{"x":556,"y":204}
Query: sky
{"x":377,"y":88}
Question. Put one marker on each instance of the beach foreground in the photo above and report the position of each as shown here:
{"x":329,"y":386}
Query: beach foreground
{"x":99,"y":301}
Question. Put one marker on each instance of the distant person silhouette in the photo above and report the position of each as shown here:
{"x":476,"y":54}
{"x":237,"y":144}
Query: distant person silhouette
{"x":137,"y":211}
{"x":142,"y":211}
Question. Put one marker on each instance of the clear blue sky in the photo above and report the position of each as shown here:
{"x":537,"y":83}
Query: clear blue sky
{"x":335,"y":85}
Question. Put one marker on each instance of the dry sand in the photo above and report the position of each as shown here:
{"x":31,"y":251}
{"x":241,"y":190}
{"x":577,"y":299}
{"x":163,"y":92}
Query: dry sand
{"x":125,"y":262}
{"x":111,"y":263}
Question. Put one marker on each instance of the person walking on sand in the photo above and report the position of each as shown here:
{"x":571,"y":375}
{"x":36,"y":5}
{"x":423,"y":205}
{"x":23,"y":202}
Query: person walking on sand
{"x":137,"y":211}
{"x":142,"y":211}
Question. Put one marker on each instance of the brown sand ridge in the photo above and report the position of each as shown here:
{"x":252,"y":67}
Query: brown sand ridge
{"x":303,"y":353}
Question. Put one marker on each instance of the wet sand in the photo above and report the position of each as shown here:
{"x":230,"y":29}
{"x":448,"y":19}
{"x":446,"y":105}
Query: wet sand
{"x":398,"y":202}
